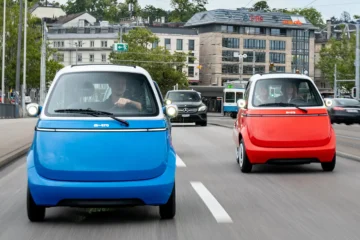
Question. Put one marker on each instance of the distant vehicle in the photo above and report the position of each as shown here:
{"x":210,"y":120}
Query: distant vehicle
{"x":190,"y":106}
{"x":231,"y":96}
{"x":94,"y":152}
{"x":344,"y":110}
{"x":293,"y":128}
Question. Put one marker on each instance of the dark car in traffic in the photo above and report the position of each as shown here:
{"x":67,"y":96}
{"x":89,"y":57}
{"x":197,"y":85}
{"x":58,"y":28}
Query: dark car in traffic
{"x":190,"y":106}
{"x":344,"y":110}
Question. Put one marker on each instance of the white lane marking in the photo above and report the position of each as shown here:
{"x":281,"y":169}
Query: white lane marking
{"x":346,"y":155}
{"x":343,"y":136}
{"x":179,"y":162}
{"x":210,"y":201}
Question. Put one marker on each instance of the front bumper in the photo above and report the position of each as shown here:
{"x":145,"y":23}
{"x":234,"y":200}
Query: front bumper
{"x":50,"y":193}
{"x":190,"y":118}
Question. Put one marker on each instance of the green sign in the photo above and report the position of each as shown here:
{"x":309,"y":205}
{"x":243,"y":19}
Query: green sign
{"x":121,"y":47}
{"x":229,"y":86}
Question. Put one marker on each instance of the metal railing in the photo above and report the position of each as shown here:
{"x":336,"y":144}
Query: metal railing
{"x":7,"y":111}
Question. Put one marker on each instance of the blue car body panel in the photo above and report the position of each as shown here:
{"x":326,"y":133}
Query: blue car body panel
{"x":230,"y":108}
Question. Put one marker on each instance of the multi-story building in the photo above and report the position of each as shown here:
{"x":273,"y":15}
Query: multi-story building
{"x":285,"y":40}
{"x":81,"y":40}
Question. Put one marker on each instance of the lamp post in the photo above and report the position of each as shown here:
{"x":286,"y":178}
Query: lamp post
{"x":24,"y":74}
{"x":3,"y":56}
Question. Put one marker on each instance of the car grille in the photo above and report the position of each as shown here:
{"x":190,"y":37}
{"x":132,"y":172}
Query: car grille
{"x":187,"y":110}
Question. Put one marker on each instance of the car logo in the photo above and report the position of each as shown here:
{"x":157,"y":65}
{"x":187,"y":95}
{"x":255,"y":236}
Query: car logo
{"x":101,"y":125}
{"x":290,"y":112}
{"x":186,"y":110}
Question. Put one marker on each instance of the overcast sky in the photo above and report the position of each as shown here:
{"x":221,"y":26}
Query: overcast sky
{"x":328,"y":8}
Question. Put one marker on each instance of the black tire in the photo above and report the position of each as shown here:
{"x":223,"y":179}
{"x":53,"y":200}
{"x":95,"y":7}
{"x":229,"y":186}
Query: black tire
{"x":245,"y":165}
{"x":168,"y":210}
{"x":35,"y":213}
{"x":329,"y":166}
{"x":204,"y":124}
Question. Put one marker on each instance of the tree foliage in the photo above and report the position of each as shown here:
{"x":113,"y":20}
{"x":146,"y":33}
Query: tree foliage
{"x":261,"y":6}
{"x":342,"y":53}
{"x":33,"y":53}
{"x":185,"y":9}
{"x":159,"y":62}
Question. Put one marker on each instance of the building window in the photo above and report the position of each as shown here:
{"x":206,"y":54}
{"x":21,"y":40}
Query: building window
{"x":228,"y":56}
{"x":179,"y":68}
{"x":231,"y":42}
{"x":191,"y":71}
{"x":91,"y":57}
{"x":60,"y":57}
{"x":259,"y":57}
{"x":179,"y":44}
{"x":103,"y":57}
{"x":191,"y":45}
{"x":255,"y":31}
{"x":103,"y":43}
{"x":191,"y":58}
{"x":230,"y":69}
{"x":92,"y":44}
{"x":155,"y":44}
{"x":248,"y":69}
{"x":277,"y":57}
{"x":277,"y":32}
{"x":230,"y":29}
{"x":55,"y":57}
{"x":168,"y":43}
{"x":277,"y":45}
{"x":80,"y":43}
{"x":254,"y":44}
{"x":280,"y":69}
{"x":79,"y":57}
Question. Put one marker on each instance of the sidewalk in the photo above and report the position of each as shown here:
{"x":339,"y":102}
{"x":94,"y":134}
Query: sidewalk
{"x":16,"y":137}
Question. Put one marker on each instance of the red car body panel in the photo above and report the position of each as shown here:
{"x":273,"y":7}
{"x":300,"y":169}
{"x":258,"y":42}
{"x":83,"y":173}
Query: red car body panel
{"x":285,"y":134}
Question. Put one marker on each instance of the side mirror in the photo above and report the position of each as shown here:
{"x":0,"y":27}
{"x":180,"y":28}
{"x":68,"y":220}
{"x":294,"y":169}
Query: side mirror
{"x":328,"y":102}
{"x":167,"y":101}
{"x":241,"y":103}
{"x":33,"y":109}
{"x":171,"y":111}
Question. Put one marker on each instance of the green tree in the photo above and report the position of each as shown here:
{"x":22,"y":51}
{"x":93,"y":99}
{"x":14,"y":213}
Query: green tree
{"x":311,"y":14}
{"x":33,"y":53}
{"x":342,"y":53}
{"x":124,"y":9}
{"x":162,"y":65}
{"x":153,"y":13}
{"x":356,"y":16}
{"x":185,"y":9}
{"x":261,"y":5}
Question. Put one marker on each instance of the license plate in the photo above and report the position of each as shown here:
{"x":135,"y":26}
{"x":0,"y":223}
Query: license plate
{"x":352,"y":110}
{"x":186,"y":115}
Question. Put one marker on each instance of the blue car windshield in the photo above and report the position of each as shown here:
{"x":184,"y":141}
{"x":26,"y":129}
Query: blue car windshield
{"x":119,"y":93}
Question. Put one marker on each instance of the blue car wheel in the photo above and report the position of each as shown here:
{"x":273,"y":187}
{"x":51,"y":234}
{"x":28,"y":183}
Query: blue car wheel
{"x":35,"y":213}
{"x":168,"y":210}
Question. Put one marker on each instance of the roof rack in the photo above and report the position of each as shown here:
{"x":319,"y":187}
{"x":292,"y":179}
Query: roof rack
{"x":101,"y":64}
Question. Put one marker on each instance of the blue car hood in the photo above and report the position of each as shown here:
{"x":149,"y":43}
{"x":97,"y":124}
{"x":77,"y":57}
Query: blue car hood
{"x":104,"y":150}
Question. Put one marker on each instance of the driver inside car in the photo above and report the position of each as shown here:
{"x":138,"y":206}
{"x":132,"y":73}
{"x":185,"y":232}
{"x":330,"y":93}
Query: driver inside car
{"x":289,"y":92}
{"x":121,"y":96}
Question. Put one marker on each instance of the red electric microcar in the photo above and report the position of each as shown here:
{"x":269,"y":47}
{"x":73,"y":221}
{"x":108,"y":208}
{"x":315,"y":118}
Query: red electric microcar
{"x":283,"y":120}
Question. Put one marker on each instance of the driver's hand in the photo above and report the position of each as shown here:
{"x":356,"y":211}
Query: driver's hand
{"x":122,"y":102}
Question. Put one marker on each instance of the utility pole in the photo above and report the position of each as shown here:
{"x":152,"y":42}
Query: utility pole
{"x":121,"y":33}
{"x":43,"y":64}
{"x":18,"y":60}
{"x":24,"y":74}
{"x":3,"y":56}
{"x":335,"y":82}
{"x":76,"y":53}
{"x":357,"y":61}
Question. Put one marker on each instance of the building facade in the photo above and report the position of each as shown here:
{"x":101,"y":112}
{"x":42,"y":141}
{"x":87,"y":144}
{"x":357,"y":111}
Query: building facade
{"x":81,"y":40}
{"x":264,"y":37}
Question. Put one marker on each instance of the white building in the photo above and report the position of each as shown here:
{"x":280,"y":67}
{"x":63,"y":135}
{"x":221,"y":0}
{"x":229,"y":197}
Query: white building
{"x":47,"y":12}
{"x":81,"y":40}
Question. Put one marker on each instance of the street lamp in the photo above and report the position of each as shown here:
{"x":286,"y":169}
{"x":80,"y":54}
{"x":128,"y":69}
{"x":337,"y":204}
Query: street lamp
{"x":24,"y":74}
{"x":3,"y":56}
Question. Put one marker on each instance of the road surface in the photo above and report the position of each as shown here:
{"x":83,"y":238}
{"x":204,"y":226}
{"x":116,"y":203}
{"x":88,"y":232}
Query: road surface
{"x":214,"y":201}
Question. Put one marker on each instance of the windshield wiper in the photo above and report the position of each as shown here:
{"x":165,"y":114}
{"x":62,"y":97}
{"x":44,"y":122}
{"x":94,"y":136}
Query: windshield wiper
{"x":94,"y":113}
{"x":283,"y":105}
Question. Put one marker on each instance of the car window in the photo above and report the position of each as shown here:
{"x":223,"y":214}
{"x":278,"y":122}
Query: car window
{"x":184,"y":97}
{"x":301,"y":92}
{"x":99,"y":91}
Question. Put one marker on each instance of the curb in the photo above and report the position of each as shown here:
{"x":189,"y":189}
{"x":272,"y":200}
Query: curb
{"x":340,"y":154}
{"x":6,"y":159}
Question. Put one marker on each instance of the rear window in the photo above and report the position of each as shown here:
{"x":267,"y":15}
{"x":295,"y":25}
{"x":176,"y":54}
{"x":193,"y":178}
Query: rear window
{"x":99,"y":91}
{"x":284,"y":91}
{"x":348,"y":102}
{"x":184,"y":96}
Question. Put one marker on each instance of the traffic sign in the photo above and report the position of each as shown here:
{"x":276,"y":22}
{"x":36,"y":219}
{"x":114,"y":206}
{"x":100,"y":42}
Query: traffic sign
{"x":121,"y":47}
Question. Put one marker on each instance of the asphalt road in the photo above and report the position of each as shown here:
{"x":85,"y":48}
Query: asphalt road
{"x":214,"y":201}
{"x":347,"y":137}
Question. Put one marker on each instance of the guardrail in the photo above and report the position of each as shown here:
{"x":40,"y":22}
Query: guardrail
{"x":7,"y":111}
